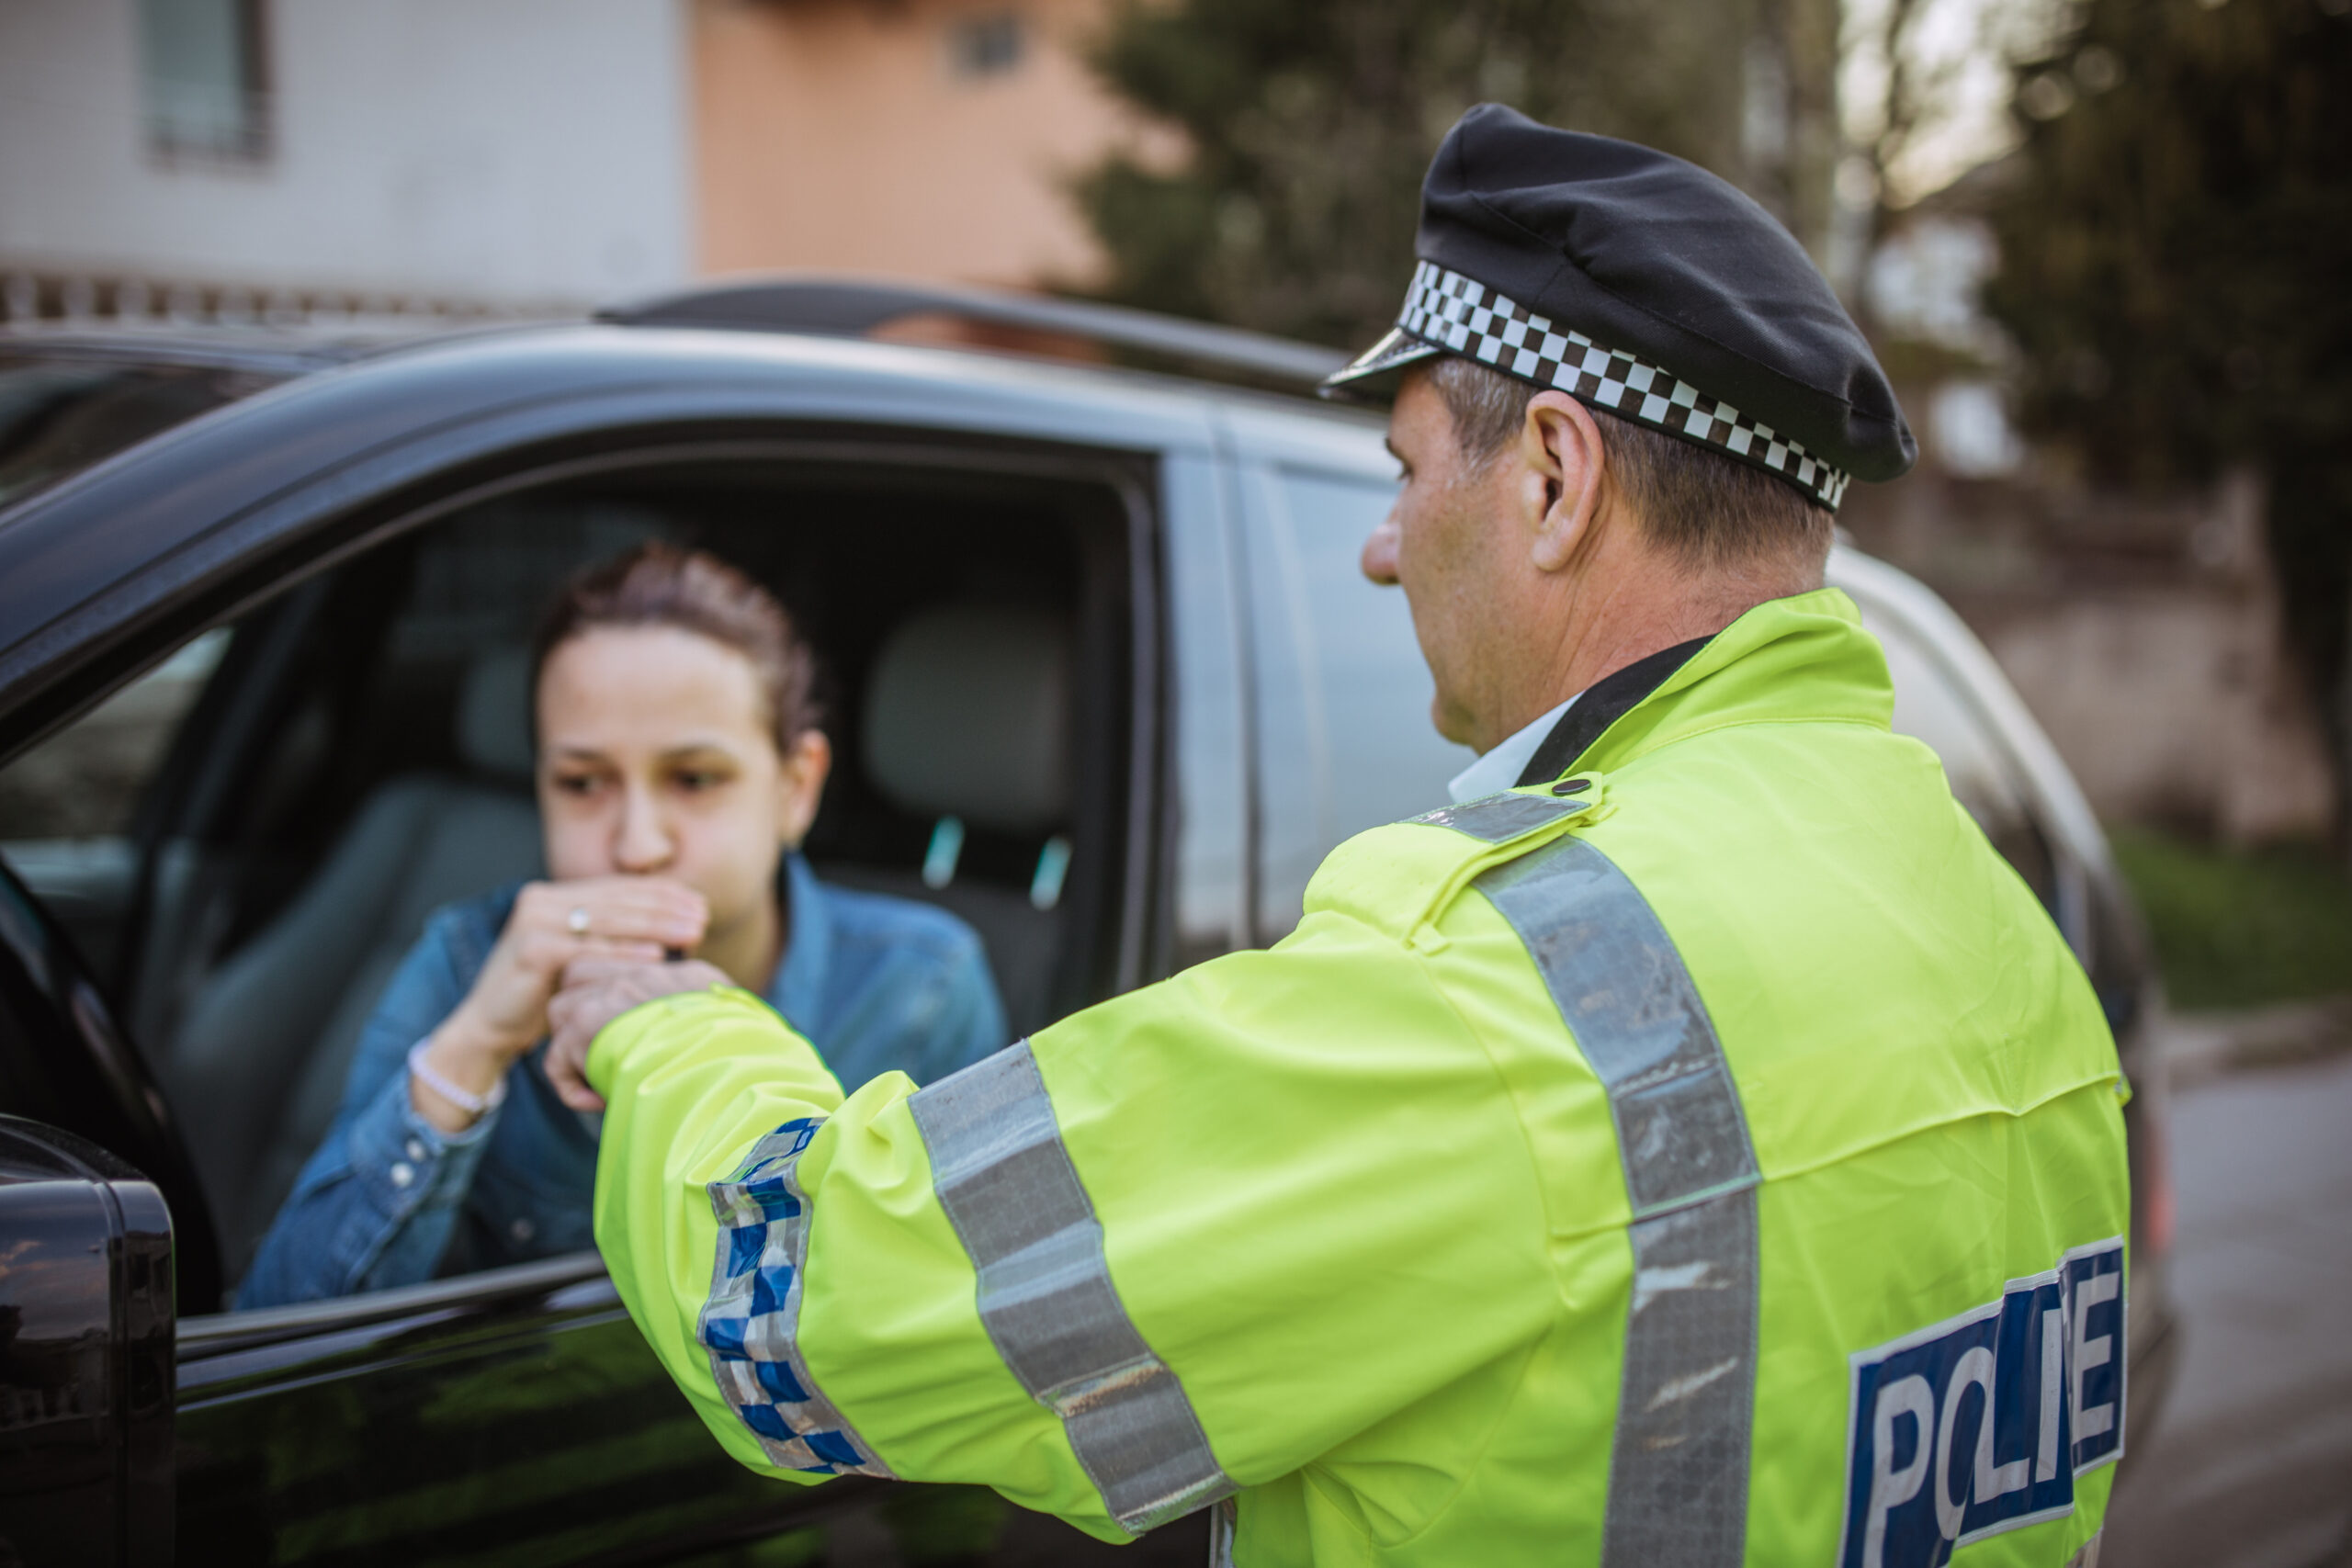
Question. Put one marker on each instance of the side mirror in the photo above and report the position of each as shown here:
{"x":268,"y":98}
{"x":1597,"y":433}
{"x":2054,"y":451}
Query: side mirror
{"x":85,"y":1355}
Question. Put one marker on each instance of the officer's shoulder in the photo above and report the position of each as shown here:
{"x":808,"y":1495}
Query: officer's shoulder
{"x":1397,"y":875}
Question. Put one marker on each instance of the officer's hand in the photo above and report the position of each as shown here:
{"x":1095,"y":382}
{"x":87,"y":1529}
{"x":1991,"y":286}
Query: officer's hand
{"x":630,"y":918}
{"x":596,"y":991}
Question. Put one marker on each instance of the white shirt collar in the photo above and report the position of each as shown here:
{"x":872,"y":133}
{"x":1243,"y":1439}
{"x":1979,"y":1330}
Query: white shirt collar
{"x":1499,"y":768}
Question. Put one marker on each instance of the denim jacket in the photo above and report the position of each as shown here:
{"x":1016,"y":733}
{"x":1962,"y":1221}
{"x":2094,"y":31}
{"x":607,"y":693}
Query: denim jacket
{"x":875,"y":983}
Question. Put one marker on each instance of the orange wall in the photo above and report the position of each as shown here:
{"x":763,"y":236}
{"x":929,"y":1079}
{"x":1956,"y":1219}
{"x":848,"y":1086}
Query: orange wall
{"x":835,"y":134}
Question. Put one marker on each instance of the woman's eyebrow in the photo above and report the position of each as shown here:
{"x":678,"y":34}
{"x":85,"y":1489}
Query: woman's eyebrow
{"x":691,"y":747}
{"x":698,"y":747}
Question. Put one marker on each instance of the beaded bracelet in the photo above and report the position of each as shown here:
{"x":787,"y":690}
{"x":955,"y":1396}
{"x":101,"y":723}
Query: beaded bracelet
{"x":471,"y":1104}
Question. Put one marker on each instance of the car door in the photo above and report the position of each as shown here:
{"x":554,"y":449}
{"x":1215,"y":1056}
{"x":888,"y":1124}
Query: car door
{"x":513,"y":1414}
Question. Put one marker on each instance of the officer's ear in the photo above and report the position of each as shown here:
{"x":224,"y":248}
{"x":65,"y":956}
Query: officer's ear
{"x":1563,"y":467}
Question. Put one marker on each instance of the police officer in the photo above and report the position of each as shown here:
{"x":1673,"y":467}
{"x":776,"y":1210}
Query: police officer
{"x":1696,"y":1146}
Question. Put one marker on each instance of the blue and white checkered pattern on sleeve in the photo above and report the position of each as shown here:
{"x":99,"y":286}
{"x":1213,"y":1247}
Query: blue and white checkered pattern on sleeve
{"x":750,"y":1324}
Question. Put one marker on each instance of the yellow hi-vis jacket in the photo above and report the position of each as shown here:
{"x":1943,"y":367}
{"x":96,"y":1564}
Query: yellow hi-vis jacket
{"x":1720,"y":1162}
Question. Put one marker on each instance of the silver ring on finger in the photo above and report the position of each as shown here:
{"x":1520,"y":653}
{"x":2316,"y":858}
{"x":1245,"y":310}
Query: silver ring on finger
{"x":577,"y":922}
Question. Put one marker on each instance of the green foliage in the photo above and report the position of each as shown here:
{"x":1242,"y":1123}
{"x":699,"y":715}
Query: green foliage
{"x":2238,"y":929}
{"x":2175,"y":259}
{"x":2174,"y":253}
{"x":1310,"y":122}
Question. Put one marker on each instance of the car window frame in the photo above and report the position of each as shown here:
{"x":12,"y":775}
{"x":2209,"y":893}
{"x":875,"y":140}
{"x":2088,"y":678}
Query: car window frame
{"x":239,"y":1355}
{"x":191,"y":526}
{"x":301,"y":555}
{"x":206,"y":1337}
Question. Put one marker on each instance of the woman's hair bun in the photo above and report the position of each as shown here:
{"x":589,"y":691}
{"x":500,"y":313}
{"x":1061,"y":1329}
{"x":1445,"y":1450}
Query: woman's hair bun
{"x":661,"y":584}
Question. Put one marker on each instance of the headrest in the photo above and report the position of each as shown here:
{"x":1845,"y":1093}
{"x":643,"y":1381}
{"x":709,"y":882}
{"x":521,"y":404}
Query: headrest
{"x":968,"y":715}
{"x":494,"y":714}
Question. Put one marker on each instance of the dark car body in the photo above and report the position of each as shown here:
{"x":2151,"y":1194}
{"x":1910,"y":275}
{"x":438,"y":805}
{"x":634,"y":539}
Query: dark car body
{"x":1243,"y":701}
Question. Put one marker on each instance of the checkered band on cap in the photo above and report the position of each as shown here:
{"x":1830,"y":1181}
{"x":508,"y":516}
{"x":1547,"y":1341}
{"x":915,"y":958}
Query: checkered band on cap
{"x":1463,"y":316}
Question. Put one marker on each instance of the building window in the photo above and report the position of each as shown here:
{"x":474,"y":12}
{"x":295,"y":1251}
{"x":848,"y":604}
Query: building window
{"x":205,"y":78}
{"x":984,"y":46}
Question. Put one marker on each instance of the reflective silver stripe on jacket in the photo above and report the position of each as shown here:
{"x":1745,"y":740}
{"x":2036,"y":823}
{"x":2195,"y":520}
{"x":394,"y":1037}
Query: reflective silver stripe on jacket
{"x":1498,"y":818}
{"x":1045,"y":1295}
{"x":1678,"y":1471}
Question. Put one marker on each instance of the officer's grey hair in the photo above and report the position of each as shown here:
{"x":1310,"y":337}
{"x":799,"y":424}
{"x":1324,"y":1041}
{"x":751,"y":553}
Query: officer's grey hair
{"x":1709,"y":510}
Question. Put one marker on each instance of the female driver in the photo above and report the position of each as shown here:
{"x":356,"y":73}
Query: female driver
{"x":679,"y":763}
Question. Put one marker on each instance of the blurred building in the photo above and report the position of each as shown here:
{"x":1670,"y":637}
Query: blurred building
{"x":282,"y":159}
{"x":922,"y":138}
{"x":273,"y":157}
{"x":285,"y":160}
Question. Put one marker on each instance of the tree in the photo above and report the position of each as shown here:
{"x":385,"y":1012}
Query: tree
{"x":1310,"y":124}
{"x":2175,"y":259}
{"x":1908,"y":77}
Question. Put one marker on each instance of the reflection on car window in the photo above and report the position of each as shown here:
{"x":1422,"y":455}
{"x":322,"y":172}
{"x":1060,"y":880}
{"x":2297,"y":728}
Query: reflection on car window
{"x":84,"y":781}
{"x":1345,"y":737}
{"x":66,"y":806}
{"x":60,"y":415}
{"x":1932,"y":707}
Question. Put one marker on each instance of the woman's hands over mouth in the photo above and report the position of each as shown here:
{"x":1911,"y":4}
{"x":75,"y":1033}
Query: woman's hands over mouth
{"x":597,"y":990}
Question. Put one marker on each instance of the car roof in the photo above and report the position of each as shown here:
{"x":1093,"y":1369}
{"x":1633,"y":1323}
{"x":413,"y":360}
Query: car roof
{"x":983,"y":388}
{"x":1052,"y":326}
{"x":262,"y":349}
{"x":178,"y":510}
{"x":348,"y":392}
{"x":1094,"y":337}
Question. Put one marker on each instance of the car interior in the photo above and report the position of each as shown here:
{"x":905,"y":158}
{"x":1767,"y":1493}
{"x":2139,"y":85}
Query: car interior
{"x":359,"y":752}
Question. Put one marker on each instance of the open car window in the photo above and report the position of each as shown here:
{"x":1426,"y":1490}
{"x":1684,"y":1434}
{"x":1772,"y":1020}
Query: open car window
{"x":292,"y":799}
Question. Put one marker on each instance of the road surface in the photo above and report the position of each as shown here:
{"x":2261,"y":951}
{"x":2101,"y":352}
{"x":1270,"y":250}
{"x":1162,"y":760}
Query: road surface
{"x":2252,"y":1467}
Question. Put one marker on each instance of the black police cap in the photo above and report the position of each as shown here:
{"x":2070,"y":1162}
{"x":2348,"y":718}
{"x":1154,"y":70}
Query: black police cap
{"x":1644,"y":285}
